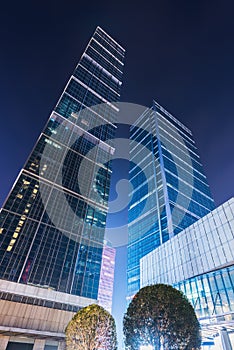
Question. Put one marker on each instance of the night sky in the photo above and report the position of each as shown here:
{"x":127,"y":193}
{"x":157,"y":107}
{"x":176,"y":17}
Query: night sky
{"x":180,"y":53}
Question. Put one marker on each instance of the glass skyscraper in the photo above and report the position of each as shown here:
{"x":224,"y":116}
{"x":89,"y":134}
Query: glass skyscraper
{"x":170,"y":191}
{"x":52,"y":223}
{"x":32,"y":249}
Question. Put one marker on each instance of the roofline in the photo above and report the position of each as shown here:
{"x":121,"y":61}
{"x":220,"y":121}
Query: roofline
{"x":98,"y":27}
{"x":172,"y":117}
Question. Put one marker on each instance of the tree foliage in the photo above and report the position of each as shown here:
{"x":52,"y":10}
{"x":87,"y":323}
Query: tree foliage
{"x":161,"y":316}
{"x":91,"y":328}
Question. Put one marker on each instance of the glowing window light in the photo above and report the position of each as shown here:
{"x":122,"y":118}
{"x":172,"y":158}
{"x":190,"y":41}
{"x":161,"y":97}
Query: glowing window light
{"x":26,"y":182}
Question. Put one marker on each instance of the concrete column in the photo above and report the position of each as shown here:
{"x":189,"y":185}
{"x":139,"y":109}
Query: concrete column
{"x":39,"y":344}
{"x":226,"y":344}
{"x":61,"y":345}
{"x":3,"y":341}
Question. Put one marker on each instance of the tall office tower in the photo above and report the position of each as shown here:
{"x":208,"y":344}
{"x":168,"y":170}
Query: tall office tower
{"x":170,"y":190}
{"x":105,"y":291}
{"x":53,"y":221}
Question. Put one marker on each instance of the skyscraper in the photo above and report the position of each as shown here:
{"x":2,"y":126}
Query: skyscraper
{"x":52,"y":223}
{"x":170,"y":190}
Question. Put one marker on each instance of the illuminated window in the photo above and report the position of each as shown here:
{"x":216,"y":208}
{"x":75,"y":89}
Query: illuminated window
{"x":47,"y":141}
{"x":33,"y":165}
{"x":42,"y":172}
{"x":26,"y":182}
{"x":9,"y":248}
{"x":1,"y":230}
{"x":15,"y":235}
{"x":12,"y":242}
{"x":56,"y":145}
{"x":19,"y":196}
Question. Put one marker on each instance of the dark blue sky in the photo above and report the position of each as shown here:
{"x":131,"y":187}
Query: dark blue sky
{"x":180,"y":53}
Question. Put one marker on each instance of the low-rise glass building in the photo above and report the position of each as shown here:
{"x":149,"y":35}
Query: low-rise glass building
{"x":199,"y":261}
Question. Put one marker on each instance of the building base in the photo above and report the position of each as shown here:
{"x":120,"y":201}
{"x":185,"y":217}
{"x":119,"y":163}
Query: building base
{"x":35,"y":318}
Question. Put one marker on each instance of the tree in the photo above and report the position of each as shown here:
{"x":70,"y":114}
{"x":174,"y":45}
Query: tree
{"x":91,"y":328}
{"x":161,"y":316}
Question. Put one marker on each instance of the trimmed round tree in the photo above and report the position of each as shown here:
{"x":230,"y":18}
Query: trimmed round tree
{"x":161,"y":316}
{"x":91,"y":328}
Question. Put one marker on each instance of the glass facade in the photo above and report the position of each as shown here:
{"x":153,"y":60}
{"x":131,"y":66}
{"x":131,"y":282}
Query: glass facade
{"x":211,"y":294}
{"x":52,"y":230}
{"x":199,"y":261}
{"x":170,"y":191}
{"x":201,"y":247}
